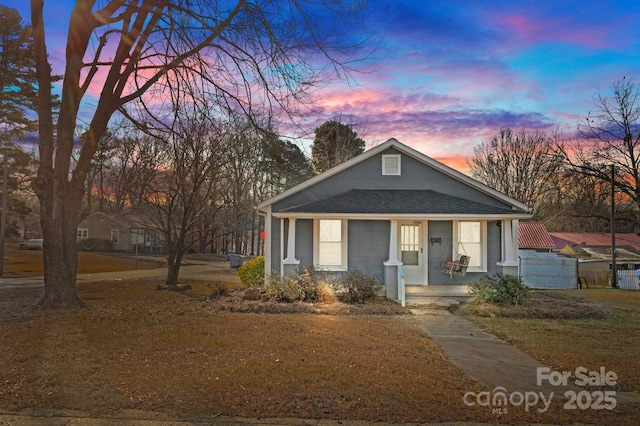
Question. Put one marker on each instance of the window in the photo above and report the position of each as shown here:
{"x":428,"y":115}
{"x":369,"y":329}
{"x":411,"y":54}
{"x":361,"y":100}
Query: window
{"x":82,"y":233}
{"x":115,"y":236}
{"x":391,"y":164}
{"x":410,"y":244}
{"x":330,"y":249}
{"x":471,"y":238}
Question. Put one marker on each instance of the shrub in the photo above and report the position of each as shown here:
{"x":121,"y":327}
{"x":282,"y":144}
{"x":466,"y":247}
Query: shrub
{"x":283,"y":289}
{"x":309,"y":287}
{"x":501,"y":289}
{"x":355,"y":287}
{"x":287,"y":289}
{"x":251,"y":273}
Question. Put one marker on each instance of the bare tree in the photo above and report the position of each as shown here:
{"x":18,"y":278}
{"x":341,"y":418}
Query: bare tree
{"x":241,"y":174}
{"x":183,"y":185}
{"x":520,"y":164}
{"x":577,"y":202}
{"x":130,"y":169}
{"x":610,"y":135}
{"x":244,"y":53}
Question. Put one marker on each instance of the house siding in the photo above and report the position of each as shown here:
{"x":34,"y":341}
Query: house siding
{"x":368,"y":175}
{"x":368,"y":246}
{"x":494,"y":249}
{"x":439,"y":252}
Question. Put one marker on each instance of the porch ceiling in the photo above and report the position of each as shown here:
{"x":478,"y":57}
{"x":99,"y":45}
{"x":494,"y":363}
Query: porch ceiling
{"x":385,"y":202}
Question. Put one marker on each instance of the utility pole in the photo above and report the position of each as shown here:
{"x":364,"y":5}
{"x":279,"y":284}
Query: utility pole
{"x":614,"y":268}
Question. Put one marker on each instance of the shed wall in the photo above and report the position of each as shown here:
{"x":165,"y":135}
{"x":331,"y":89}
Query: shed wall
{"x":548,"y":272}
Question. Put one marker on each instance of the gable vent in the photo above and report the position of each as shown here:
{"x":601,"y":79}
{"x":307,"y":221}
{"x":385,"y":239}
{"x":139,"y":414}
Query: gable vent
{"x":391,"y":164}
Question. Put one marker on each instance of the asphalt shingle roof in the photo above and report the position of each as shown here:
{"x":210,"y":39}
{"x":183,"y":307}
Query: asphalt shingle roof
{"x":384,"y":201}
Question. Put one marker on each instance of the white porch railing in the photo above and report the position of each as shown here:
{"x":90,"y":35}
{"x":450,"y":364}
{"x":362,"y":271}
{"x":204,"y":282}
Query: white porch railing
{"x":401,"y":287}
{"x":628,"y":280}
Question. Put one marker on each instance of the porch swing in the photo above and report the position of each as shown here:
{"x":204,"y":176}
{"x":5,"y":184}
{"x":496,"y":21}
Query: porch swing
{"x":457,"y":265}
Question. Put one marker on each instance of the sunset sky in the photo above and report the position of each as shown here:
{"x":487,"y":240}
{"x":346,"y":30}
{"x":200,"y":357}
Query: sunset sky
{"x":451,"y":73}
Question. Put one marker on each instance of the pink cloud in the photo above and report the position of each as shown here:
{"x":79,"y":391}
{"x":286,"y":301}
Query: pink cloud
{"x":536,"y":29}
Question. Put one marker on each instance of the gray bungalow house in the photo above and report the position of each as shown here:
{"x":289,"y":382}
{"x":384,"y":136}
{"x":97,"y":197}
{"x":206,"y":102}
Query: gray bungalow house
{"x":419,"y":226}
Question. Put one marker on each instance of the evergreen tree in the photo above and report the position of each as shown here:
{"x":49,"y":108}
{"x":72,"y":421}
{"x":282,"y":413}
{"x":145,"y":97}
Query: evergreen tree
{"x":18,"y":84}
{"x":333,"y":144}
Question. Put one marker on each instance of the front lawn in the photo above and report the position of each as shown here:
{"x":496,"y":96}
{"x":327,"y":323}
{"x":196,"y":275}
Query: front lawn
{"x":591,"y":327}
{"x":28,"y":263}
{"x":140,"y":350}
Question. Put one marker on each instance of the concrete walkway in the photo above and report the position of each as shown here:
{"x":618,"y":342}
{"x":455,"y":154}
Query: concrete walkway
{"x":485,"y":358}
{"x":492,"y":362}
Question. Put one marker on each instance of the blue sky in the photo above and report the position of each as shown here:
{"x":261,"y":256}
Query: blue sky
{"x":451,"y":73}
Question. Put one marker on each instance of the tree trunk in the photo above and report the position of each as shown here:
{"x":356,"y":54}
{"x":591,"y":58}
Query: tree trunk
{"x":174,"y":260}
{"x":60,"y":255}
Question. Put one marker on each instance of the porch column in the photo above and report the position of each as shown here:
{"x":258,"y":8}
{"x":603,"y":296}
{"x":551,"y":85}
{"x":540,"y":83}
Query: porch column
{"x":393,"y":242}
{"x":509,"y":246}
{"x":393,"y":274}
{"x":290,"y":263}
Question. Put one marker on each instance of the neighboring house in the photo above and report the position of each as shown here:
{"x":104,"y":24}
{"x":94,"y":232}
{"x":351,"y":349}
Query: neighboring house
{"x":394,"y":213}
{"x":593,"y":251}
{"x":122,"y":232}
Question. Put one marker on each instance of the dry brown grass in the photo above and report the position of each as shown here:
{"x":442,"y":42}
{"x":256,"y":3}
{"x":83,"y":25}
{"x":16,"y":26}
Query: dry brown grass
{"x":28,"y":263}
{"x":541,"y":305}
{"x":136,"y":348}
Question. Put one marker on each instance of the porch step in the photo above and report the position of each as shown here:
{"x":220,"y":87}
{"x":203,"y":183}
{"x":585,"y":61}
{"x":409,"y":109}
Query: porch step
{"x":439,"y":296}
{"x":432,"y":301}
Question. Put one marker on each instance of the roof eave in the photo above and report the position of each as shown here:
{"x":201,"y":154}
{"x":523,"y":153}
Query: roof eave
{"x":401,"y":216}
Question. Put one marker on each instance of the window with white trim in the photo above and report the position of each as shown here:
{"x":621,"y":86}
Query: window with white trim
{"x":391,"y":165}
{"x":82,"y":233}
{"x":471,"y":238}
{"x":115,"y":236}
{"x":330,"y":250}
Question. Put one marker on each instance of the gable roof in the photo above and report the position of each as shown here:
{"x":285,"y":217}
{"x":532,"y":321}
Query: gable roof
{"x":407,"y":151}
{"x":403,"y":201}
{"x":534,"y":235}
{"x":595,"y":239}
{"x":124,"y":219}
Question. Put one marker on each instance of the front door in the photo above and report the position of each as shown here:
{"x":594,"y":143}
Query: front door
{"x":411,"y":249}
